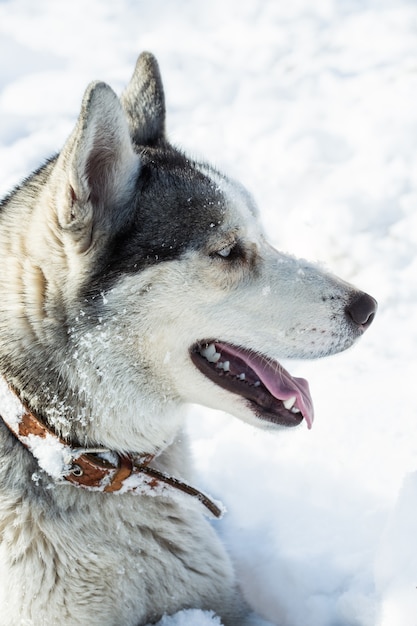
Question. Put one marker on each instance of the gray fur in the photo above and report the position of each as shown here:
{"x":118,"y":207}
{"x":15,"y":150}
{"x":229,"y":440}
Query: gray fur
{"x":144,"y":102}
{"x":113,"y":266}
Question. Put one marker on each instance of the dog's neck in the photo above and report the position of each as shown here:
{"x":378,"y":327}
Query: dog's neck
{"x":94,"y":469}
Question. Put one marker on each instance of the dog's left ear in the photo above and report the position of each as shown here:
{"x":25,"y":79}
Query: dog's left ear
{"x":144,"y":102}
{"x":95,"y":173}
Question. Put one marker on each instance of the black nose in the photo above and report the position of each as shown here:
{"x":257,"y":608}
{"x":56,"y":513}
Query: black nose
{"x":362,"y":310}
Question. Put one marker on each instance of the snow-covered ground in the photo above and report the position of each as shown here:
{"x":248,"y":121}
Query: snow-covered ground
{"x":313,"y":106}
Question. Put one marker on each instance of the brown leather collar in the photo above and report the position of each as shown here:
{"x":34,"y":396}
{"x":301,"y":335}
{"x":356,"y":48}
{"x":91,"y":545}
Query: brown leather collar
{"x":92,"y":469}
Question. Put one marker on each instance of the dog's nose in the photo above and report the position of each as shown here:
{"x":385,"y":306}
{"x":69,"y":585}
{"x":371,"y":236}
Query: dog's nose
{"x":362,"y":310}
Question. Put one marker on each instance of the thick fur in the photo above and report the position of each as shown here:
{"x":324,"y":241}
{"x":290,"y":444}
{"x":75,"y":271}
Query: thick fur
{"x":117,"y":256}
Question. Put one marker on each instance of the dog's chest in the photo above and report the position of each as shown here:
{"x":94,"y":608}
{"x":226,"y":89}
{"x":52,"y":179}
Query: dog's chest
{"x":109,"y":554}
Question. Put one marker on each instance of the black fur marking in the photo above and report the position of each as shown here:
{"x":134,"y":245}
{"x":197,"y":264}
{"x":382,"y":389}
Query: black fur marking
{"x":167,"y":217}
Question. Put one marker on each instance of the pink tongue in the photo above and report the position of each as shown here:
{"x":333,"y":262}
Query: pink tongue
{"x":276,"y":379}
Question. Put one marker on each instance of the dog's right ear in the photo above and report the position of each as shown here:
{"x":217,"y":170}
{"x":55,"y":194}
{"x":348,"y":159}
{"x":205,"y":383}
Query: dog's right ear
{"x":144,"y":102}
{"x":96,"y":171}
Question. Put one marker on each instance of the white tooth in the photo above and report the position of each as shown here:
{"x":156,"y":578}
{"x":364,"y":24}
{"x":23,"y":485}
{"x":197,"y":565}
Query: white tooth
{"x":258,"y":382}
{"x":289,"y":403}
{"x":226,"y":366}
{"x":295,"y":410}
{"x":209,"y":350}
{"x":242,"y":376}
{"x":210,"y":353}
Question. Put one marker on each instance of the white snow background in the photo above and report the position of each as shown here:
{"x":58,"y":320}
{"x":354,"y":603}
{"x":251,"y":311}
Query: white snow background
{"x":313,"y":106}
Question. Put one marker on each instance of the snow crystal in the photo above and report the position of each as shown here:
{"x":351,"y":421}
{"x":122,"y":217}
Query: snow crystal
{"x":53,"y":456}
{"x":190,"y":617}
{"x":10,"y":406}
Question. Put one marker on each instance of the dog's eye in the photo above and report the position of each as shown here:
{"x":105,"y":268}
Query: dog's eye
{"x":226,"y":251}
{"x":234,"y":251}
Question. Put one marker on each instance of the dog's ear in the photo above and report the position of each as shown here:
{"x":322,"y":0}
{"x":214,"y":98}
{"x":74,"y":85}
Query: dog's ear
{"x":144,"y":102}
{"x":96,"y":171}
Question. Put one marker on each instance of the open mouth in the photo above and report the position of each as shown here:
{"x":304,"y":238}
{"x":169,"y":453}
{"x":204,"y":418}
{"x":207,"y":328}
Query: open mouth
{"x":272,"y":393}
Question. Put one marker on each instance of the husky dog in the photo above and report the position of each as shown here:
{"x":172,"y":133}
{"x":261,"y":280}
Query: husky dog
{"x":135,"y":280}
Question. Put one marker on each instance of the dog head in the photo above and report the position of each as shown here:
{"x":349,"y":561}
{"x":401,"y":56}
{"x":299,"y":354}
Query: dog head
{"x":149,"y":283}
